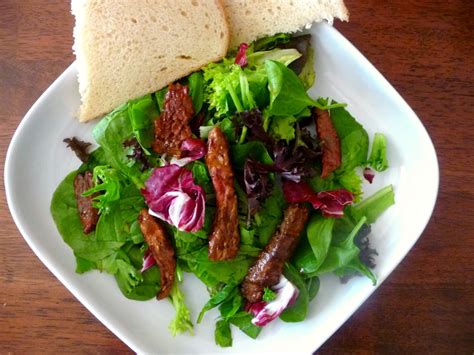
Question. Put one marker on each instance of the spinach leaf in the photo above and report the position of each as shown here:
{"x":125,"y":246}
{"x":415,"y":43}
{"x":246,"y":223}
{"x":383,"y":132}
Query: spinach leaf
{"x":353,"y":137}
{"x":337,"y":257}
{"x":196,"y":90}
{"x":378,"y":156}
{"x":227,"y":292}
{"x":257,"y":80}
{"x":312,"y":285}
{"x":84,"y":265}
{"x":213,"y":273}
{"x":319,"y":234}
{"x":143,"y":112}
{"x":243,"y":321}
{"x":247,"y":234}
{"x":201,"y":177}
{"x":298,"y":310}
{"x":357,"y":266}
{"x":150,"y":284}
{"x":341,"y":254}
{"x":269,"y":216}
{"x":120,"y":222}
{"x":304,"y":259}
{"x":222,"y":334}
{"x":228,"y":128}
{"x":231,"y":306}
{"x":287,"y":93}
{"x":160,"y":98}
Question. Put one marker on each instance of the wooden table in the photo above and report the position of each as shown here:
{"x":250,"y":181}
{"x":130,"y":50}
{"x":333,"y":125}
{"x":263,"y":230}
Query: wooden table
{"x":424,"y":48}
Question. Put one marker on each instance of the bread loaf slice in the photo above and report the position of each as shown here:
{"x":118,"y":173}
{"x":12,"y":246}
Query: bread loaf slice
{"x":253,"y":19}
{"x":129,"y":48}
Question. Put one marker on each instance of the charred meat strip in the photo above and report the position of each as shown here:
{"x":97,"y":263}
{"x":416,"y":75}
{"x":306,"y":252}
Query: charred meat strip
{"x":225,"y":238}
{"x":172,"y":127}
{"x":330,"y":144}
{"x":88,"y":214}
{"x":268,"y":268}
{"x":157,"y":239}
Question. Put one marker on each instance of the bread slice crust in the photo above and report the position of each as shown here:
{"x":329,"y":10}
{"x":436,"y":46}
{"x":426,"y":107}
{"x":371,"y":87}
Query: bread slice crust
{"x":252,"y":19}
{"x":129,"y":48}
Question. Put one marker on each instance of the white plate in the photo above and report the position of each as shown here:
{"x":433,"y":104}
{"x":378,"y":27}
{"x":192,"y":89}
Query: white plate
{"x":37,"y":161}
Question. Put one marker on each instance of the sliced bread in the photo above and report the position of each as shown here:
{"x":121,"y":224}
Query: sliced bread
{"x":253,"y":19}
{"x":129,"y":48}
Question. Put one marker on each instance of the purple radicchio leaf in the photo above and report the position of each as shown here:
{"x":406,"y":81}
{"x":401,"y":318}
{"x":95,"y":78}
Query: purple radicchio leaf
{"x":172,"y":196}
{"x":192,"y":149}
{"x":265,"y":312}
{"x":241,"y":57}
{"x":331,"y":203}
{"x":148,"y":260}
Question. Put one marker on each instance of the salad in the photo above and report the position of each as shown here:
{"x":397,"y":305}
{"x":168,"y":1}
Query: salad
{"x":236,"y":175}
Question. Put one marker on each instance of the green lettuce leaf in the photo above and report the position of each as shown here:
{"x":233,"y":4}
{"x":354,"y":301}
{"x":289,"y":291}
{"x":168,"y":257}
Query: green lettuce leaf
{"x":284,"y":56}
{"x":222,"y":334}
{"x":227,"y":292}
{"x":378,"y":156}
{"x":298,"y":311}
{"x":373,"y":206}
{"x":196,"y":90}
{"x":353,"y":137}
{"x":288,"y":96}
{"x":66,"y":216}
{"x":142,"y":113}
{"x":269,"y":216}
{"x":182,"y":321}
{"x":283,"y":127}
{"x":307,"y":74}
{"x":214,"y":273}
{"x":243,"y":321}
{"x":111,"y":133}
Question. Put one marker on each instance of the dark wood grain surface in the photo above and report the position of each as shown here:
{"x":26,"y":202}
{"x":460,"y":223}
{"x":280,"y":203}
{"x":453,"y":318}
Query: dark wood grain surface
{"x":424,"y":48}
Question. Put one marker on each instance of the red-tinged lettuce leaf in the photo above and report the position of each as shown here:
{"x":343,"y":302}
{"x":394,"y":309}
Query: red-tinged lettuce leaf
{"x":172,"y":196}
{"x":294,"y":162}
{"x":369,"y":175}
{"x":241,"y":57}
{"x":137,"y":153}
{"x":257,"y":185}
{"x":80,"y":148}
{"x":331,"y":203}
{"x":253,"y":120}
{"x":192,"y":149}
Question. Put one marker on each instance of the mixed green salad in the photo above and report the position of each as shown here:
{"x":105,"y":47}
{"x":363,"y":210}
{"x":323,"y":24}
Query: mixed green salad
{"x":258,"y":97}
